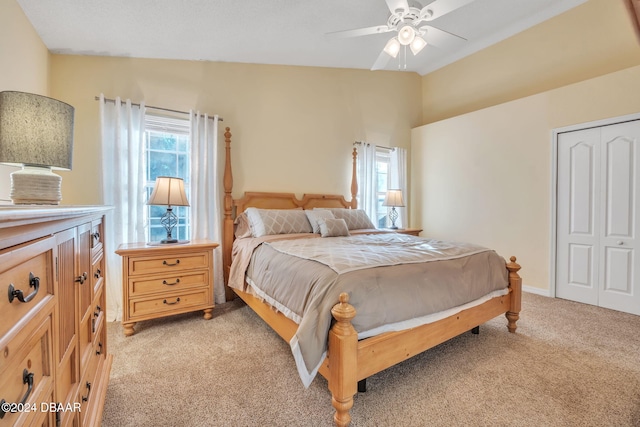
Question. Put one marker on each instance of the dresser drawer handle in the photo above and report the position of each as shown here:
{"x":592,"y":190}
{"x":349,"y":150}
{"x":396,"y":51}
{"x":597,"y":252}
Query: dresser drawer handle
{"x":99,"y":350}
{"x":171,"y":303}
{"x":164,"y":282}
{"x":80,"y":279}
{"x":97,"y":274}
{"x":27,"y":378}
{"x":34,"y":282}
{"x":88,"y":386}
{"x":171,"y":265}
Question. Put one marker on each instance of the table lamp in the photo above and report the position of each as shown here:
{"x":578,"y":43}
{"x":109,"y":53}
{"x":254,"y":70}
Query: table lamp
{"x":168,"y":191}
{"x":393,"y":198}
{"x":36,"y":133}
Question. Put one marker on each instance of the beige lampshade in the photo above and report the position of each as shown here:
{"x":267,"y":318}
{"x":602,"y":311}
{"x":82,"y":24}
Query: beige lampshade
{"x":35,"y":130}
{"x":168,"y":191}
{"x":393,"y":198}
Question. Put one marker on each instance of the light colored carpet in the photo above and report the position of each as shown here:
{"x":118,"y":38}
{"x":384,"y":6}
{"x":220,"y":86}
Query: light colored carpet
{"x":569,"y":364}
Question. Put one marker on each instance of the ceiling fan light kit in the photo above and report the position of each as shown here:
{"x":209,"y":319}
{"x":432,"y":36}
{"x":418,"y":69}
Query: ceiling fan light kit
{"x":409,"y":22}
{"x":392,"y":47}
{"x":417,"y":45}
{"x":406,"y":35}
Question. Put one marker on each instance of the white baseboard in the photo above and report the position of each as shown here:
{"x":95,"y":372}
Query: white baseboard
{"x":537,"y":291}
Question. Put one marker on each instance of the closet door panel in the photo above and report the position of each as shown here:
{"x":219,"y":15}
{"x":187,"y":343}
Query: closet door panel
{"x":620,"y":150}
{"x":578,"y":216}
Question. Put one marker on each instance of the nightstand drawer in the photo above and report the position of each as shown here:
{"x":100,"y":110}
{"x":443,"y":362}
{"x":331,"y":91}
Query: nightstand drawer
{"x":172,"y":262}
{"x":169,"y":304}
{"x":25,"y":281}
{"x":178,"y":282}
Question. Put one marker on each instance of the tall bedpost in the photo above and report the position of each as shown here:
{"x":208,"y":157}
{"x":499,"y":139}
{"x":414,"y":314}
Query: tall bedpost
{"x":515,"y":284}
{"x":354,"y":180}
{"x":228,"y":219}
{"x":343,"y":360}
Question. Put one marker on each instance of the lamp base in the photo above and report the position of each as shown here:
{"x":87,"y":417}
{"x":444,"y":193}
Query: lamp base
{"x":34,"y":185}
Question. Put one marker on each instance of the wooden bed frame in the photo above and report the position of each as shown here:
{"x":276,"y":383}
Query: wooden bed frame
{"x":350,"y":360}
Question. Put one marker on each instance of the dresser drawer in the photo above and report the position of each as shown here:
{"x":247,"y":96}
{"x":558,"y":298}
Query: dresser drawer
{"x":169,"y":304}
{"x":26,"y":280}
{"x":26,"y":378}
{"x":97,"y":273}
{"x":169,"y":263}
{"x":97,"y":234}
{"x":178,"y":282}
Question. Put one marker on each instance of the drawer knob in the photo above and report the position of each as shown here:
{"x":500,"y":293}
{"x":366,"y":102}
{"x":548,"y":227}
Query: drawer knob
{"x":171,"y":303}
{"x":97,"y":274}
{"x":164,"y":282}
{"x":34,"y":282}
{"x":27,"y":378}
{"x":171,"y":265}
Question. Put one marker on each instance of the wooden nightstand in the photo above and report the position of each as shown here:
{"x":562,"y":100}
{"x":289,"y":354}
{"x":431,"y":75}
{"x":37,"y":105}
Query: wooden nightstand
{"x":163,"y":280}
{"x":410,"y":231}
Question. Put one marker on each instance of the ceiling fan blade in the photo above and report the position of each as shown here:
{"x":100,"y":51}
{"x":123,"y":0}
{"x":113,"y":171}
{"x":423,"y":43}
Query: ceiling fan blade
{"x":381,"y":62}
{"x":440,"y":38}
{"x":442,"y":7}
{"x":379,"y":29}
{"x":397,"y":4}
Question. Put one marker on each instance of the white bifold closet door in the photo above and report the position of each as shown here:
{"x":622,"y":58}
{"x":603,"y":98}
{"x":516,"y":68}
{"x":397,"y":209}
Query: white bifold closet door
{"x":598,"y":214}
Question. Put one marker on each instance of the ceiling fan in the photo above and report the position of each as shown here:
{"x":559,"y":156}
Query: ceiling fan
{"x":410,"y":25}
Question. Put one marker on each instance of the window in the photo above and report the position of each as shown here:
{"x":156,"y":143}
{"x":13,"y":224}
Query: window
{"x":383,"y":160}
{"x":167,"y":153}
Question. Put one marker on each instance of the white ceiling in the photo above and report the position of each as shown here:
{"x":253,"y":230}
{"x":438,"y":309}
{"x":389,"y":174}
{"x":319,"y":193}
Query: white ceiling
{"x":285,"y":32}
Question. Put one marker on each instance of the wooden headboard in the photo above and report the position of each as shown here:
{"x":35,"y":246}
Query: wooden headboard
{"x":267,"y":200}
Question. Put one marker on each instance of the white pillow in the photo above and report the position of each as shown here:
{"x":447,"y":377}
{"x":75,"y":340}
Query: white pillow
{"x":315,"y":215}
{"x":356,"y":219}
{"x":264,"y":222}
{"x":331,"y":227}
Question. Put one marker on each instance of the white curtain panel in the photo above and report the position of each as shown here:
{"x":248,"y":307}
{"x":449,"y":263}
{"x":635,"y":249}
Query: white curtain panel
{"x":206,"y":191}
{"x":122,"y":142}
{"x":367,"y":180}
{"x":398,"y":179}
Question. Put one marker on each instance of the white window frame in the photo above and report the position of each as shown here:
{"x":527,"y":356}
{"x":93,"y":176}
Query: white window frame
{"x":383,"y":157}
{"x":179,"y":128}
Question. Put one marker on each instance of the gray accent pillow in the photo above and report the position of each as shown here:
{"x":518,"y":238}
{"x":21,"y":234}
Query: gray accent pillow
{"x":356,"y":219}
{"x":265,"y":222}
{"x":315,"y":215}
{"x":333,"y":227}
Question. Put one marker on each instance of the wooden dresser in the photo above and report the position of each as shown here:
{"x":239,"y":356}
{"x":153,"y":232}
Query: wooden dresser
{"x":54,"y":366}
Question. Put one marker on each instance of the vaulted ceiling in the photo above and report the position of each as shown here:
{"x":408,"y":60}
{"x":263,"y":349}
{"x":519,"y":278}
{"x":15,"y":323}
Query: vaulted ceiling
{"x":285,"y":32}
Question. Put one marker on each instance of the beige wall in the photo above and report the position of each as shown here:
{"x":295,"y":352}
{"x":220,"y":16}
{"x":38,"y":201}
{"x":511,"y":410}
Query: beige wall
{"x":25,"y":65}
{"x":293,"y":127}
{"x":485,"y":176}
{"x":593,"y":39}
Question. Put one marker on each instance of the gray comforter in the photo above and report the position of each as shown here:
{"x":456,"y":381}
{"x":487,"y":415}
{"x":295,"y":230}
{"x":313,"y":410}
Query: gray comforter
{"x":414,"y":281}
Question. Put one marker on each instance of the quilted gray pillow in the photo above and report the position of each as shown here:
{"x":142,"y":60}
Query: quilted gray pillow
{"x":333,"y":227}
{"x":264,"y":222}
{"x":356,"y":219}
{"x":315,"y":215}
